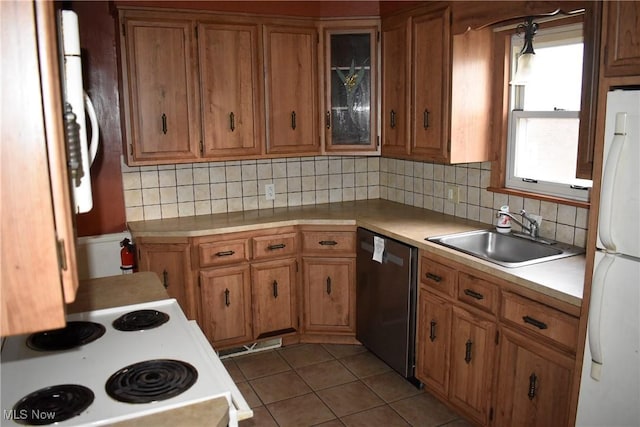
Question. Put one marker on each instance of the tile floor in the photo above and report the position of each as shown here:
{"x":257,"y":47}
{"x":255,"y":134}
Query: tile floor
{"x":331,"y":385}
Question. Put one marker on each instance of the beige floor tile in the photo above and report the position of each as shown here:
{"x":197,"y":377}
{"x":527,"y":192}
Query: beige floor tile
{"x":304,"y":355}
{"x":332,"y":423}
{"x":460,"y":422}
{"x":326,"y":374}
{"x":349,"y":398}
{"x":424,"y":410}
{"x":307,"y":410}
{"x":343,"y":350}
{"x":380,"y":416}
{"x":261,"y":418}
{"x":391,"y":386}
{"x":365,"y":364}
{"x":249,"y":394}
{"x":279,"y":387}
{"x":262,"y":364}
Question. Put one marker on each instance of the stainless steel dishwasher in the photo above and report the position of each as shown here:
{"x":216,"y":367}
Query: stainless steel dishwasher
{"x":386,"y":296}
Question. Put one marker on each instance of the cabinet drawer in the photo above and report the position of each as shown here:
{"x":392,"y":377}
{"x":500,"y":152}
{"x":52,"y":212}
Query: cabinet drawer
{"x":540,"y":319}
{"x":221,"y":253}
{"x":437,"y":276}
{"x":477,"y":292}
{"x":329,"y":242}
{"x":274,"y":245}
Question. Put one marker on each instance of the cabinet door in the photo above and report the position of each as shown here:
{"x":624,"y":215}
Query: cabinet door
{"x":290,"y":62}
{"x":225,"y":301}
{"x":161,"y":106}
{"x":171,"y":262}
{"x":430,"y":57}
{"x":329,"y":295}
{"x":230,"y":90}
{"x":273,"y":290}
{"x":396,"y":76}
{"x":351,"y":78}
{"x":622,"y":49}
{"x":534,"y":383}
{"x":472,"y":350}
{"x":434,"y":335}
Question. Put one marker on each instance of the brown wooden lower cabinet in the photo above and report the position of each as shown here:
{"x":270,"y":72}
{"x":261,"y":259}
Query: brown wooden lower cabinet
{"x":472,"y":359}
{"x":534,"y":383}
{"x":432,"y":349}
{"x":172,"y":263}
{"x":225,"y":297}
{"x":273,"y":292}
{"x":329,"y":295}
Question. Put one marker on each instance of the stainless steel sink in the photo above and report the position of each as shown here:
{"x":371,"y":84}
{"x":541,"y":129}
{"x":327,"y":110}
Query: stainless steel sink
{"x":508,"y":250}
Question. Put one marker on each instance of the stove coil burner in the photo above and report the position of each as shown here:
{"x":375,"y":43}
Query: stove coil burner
{"x":140,"y":320}
{"x":52,"y":404}
{"x":151,"y":381}
{"x":73,"y":335}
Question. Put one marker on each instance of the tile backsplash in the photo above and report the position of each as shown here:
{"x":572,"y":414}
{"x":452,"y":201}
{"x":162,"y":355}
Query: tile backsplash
{"x":169,"y":191}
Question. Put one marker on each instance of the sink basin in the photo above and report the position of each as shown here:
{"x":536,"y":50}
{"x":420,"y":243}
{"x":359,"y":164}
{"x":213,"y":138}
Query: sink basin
{"x":507,"y":250}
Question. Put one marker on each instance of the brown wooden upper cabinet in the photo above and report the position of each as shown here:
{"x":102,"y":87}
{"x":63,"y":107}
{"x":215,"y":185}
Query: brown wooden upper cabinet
{"x":621,"y":38}
{"x":230,"y":89}
{"x":160,"y":101}
{"x":351,"y":89}
{"x":291,"y":89}
{"x":436,"y":98}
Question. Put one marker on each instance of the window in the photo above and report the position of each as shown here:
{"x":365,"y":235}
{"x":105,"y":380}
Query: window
{"x":544,"y":117}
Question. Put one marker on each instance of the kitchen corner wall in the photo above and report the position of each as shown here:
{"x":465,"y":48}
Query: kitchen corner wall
{"x":154,"y":192}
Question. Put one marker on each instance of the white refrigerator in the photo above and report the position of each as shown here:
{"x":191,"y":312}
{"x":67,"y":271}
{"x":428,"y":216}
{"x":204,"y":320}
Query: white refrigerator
{"x":610,"y":385}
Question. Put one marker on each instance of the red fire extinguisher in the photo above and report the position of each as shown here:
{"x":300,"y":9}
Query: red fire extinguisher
{"x":127,"y":257}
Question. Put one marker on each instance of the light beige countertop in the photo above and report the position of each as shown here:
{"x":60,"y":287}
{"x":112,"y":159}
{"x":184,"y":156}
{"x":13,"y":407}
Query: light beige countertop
{"x":561,"y":279}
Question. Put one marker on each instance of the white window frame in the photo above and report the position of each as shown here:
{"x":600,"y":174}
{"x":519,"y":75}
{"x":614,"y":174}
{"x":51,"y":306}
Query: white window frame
{"x":551,"y":37}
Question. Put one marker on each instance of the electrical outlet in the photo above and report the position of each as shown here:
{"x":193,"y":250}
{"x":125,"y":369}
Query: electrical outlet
{"x":270,"y":191}
{"x":452,"y":193}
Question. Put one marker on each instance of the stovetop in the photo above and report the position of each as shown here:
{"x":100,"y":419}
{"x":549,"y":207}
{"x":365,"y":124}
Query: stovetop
{"x":25,"y":370}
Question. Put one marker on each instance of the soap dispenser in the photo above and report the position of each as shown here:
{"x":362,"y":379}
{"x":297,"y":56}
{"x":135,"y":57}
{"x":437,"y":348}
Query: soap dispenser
{"x":503,"y":224}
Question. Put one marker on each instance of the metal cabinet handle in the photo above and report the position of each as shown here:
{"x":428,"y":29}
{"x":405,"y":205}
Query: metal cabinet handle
{"x":425,"y":119}
{"x":328,"y":285}
{"x":434,"y":277}
{"x":72,"y":134}
{"x":225,"y":253}
{"x":327,"y":119}
{"x":232,"y":121}
{"x":538,"y":324}
{"x":432,"y":330}
{"x":467,"y":351}
{"x":227,"y":301}
{"x":274,"y":247}
{"x":327,"y":242}
{"x":164,"y":123}
{"x":293,"y":120}
{"x":275,"y":289}
{"x":533,"y":384}
{"x":165,"y":279}
{"x":473,"y":294}
{"x":393,"y":119}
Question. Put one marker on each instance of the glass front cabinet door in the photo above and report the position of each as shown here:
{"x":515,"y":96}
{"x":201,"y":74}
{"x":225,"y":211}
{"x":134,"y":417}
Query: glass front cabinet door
{"x":351,"y":79}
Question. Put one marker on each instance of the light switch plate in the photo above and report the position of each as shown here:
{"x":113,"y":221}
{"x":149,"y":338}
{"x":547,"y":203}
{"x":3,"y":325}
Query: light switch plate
{"x":451,"y":193}
{"x":270,"y":191}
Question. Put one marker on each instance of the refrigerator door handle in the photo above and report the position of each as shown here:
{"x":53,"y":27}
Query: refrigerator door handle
{"x":609,"y":181}
{"x":595,"y":313}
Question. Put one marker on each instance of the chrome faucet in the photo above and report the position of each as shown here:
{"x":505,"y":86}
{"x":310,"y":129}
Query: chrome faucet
{"x":534,"y":226}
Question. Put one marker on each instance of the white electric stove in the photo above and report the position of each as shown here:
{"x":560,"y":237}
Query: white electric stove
{"x":149,"y":356}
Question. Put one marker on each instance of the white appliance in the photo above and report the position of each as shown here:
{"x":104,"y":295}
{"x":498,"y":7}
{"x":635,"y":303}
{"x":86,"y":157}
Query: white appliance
{"x":25,"y":370}
{"x":75,"y":95}
{"x":610,"y":385}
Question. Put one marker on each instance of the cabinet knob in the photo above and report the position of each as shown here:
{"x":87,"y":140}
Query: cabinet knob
{"x":278,"y":246}
{"x":227,"y":301}
{"x":473,"y":294}
{"x":432,"y":330}
{"x":328,"y":285}
{"x":538,"y":324}
{"x":232,"y":121}
{"x":275,"y":289}
{"x":392,"y":122}
{"x":293,"y":120}
{"x":165,"y":279}
{"x":434,"y":277}
{"x":225,"y":253}
{"x":327,"y":119}
{"x":425,"y":119}
{"x":467,"y":351}
{"x":327,"y":242}
{"x":533,"y":385}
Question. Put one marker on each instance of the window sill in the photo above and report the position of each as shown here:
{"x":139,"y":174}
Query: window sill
{"x":552,"y":199}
